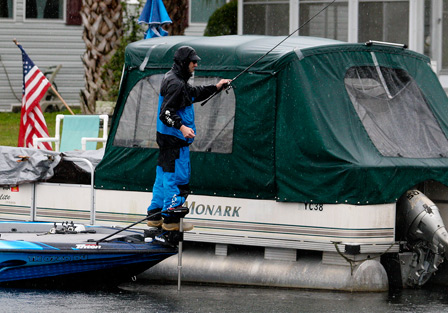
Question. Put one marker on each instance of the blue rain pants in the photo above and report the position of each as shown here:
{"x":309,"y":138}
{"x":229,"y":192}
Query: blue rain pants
{"x":170,"y":188}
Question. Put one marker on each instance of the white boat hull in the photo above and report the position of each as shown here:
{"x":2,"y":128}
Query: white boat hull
{"x":217,"y":219}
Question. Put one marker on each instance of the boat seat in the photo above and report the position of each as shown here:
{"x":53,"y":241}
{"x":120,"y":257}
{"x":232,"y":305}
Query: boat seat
{"x":79,"y":132}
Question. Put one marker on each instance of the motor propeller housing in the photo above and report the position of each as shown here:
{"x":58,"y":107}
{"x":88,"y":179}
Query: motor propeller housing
{"x":419,"y":223}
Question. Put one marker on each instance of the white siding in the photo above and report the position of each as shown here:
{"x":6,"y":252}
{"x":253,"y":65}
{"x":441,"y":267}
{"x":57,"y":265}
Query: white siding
{"x":47,"y":43}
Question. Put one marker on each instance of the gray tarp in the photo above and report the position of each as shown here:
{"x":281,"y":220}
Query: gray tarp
{"x":94,"y":156}
{"x":24,"y":165}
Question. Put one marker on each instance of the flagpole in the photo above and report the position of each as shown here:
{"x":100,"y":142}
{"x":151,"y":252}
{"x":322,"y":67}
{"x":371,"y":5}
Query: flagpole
{"x":60,"y":98}
{"x":52,"y":87}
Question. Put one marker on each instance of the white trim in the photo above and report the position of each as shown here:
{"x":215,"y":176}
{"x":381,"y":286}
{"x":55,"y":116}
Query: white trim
{"x":294,"y":13}
{"x":353,"y":20}
{"x":416,"y":25}
{"x":240,"y":17}
{"x":436,"y":32}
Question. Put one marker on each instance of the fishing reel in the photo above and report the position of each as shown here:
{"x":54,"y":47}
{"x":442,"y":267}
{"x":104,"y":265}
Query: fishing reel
{"x":227,"y":87}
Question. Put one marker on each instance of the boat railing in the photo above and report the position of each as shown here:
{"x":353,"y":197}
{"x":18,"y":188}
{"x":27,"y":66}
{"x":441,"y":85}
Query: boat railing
{"x":92,"y":191}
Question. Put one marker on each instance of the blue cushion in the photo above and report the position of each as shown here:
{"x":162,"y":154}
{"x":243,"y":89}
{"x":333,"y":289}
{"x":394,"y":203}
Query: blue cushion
{"x":76,"y":127}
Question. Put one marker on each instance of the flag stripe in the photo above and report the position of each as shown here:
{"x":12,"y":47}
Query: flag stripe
{"x":35,"y":91}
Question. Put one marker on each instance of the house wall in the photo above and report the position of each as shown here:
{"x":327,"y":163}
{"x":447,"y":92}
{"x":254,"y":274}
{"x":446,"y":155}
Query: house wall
{"x":195,"y":30}
{"x":47,"y":43}
{"x":421,"y":24}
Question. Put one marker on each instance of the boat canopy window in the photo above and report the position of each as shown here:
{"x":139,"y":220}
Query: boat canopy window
{"x":394,"y":113}
{"x":214,"y":121}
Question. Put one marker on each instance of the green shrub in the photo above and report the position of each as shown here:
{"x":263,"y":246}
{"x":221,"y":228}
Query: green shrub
{"x":223,"y":21}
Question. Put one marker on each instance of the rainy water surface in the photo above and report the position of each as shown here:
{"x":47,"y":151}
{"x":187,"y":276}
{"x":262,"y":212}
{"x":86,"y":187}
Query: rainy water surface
{"x":139,"y":297}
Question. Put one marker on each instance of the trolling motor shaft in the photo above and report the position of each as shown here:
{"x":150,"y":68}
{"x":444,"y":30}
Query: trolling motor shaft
{"x":172,"y":238}
{"x":180,"y":212}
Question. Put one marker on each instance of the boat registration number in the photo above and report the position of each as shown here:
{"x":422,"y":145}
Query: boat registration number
{"x":314,"y":206}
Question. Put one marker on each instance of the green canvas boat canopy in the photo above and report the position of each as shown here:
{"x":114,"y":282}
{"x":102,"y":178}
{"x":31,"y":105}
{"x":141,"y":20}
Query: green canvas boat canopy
{"x":315,"y":121}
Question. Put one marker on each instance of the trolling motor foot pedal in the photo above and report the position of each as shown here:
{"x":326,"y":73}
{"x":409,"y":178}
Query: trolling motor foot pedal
{"x":174,"y":220}
{"x":163,"y":237}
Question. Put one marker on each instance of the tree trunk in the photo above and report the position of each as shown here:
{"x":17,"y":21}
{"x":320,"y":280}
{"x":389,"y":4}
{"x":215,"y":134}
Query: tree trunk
{"x":178,"y":12}
{"x":103,"y":27}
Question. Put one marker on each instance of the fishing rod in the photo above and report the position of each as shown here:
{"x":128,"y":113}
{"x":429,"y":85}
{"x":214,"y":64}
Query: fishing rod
{"x":127,"y":227}
{"x":228,"y":86}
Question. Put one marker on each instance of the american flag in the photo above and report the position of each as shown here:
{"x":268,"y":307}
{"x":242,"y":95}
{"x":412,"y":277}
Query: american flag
{"x":32,"y":122}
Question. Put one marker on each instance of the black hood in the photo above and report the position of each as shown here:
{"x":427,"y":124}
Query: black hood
{"x":182,"y":58}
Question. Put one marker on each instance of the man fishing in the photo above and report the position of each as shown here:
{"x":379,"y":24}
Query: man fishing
{"x":175,"y":132}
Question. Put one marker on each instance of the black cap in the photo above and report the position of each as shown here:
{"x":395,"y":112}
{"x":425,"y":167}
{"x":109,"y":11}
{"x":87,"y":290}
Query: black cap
{"x":186,"y":53}
{"x":194,"y":56}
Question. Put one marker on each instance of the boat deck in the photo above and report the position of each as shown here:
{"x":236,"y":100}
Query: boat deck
{"x":55,"y":238}
{"x":44,"y":232}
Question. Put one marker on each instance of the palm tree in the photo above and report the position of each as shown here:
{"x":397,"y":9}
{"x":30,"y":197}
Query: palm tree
{"x":103,"y":27}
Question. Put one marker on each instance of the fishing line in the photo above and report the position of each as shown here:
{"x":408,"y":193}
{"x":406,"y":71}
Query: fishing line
{"x":260,"y":58}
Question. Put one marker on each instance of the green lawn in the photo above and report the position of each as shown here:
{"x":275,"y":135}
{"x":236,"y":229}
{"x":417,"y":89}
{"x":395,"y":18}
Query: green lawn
{"x":10,"y":122}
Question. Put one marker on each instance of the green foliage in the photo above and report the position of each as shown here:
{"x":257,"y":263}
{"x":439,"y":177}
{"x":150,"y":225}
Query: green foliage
{"x":9,"y":129}
{"x":132,"y":32}
{"x":223,"y":21}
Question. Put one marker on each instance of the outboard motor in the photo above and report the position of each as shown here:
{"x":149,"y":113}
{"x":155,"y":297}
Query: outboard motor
{"x":426,"y":236}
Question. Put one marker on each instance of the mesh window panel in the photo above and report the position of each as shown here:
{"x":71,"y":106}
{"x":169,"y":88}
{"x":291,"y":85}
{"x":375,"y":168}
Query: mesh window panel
{"x":394,"y":113}
{"x":214,"y":121}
